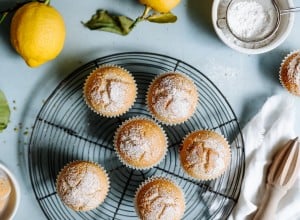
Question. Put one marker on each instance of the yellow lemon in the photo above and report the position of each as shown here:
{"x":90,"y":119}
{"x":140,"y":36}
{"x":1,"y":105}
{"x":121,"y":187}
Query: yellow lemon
{"x":37,"y":33}
{"x":161,"y":5}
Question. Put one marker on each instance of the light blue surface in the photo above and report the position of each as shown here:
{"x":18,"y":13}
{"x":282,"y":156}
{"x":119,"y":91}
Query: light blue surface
{"x":245,"y":80}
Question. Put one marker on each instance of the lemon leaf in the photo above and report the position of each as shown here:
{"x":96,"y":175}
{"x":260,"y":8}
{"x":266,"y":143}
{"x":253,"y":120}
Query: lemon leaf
{"x":4,"y":112}
{"x":104,"y":21}
{"x":162,"y":18}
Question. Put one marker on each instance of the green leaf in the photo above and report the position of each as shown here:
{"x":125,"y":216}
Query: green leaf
{"x":162,"y":18}
{"x":4,"y":112}
{"x":104,"y":21}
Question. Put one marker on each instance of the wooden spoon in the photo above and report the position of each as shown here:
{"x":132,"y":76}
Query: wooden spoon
{"x":281,"y":177}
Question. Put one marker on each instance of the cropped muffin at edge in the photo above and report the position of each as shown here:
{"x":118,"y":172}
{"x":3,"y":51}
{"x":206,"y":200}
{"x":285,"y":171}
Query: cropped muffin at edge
{"x":159,"y":198}
{"x":290,"y":73}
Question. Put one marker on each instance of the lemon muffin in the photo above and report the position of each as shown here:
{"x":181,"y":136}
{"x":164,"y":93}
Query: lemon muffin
{"x":82,"y":185}
{"x":205,"y":155}
{"x":172,"y":98}
{"x":140,"y":143}
{"x":290,"y":73}
{"x":110,"y":91}
{"x":5,"y":190}
{"x":160,"y":199}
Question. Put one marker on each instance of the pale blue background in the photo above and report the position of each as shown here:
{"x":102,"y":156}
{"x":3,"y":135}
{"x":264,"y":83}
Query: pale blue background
{"x":245,"y":80}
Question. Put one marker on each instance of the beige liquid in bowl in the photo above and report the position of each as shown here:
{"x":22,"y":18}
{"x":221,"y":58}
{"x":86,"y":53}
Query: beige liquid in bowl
{"x":6,"y":192}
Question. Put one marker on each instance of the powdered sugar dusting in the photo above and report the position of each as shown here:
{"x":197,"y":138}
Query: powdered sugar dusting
{"x":206,"y":157}
{"x":294,"y":70}
{"x":221,"y":73}
{"x":117,"y":91}
{"x":250,"y":20}
{"x":110,"y":90}
{"x":81,"y":188}
{"x":245,"y":18}
{"x":172,"y":97}
{"x":134,"y":144}
{"x":159,"y":203}
{"x":110,"y":93}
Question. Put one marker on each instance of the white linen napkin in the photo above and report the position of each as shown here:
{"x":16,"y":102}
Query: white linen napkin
{"x":272,"y":127}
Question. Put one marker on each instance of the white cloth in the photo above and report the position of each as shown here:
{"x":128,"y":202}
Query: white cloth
{"x":272,"y":127}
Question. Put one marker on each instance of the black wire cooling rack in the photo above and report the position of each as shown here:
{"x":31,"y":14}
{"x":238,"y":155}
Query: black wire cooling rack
{"x":66,"y":130}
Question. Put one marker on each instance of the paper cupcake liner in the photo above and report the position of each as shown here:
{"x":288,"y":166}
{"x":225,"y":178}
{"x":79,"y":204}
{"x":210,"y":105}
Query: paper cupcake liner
{"x":213,"y":177}
{"x":161,"y":120}
{"x":151,"y":179}
{"x":89,"y":162}
{"x":281,"y":69}
{"x":116,"y":137}
{"x":101,"y":113}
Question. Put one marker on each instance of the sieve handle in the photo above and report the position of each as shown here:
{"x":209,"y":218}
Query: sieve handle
{"x":289,"y":10}
{"x":221,"y":23}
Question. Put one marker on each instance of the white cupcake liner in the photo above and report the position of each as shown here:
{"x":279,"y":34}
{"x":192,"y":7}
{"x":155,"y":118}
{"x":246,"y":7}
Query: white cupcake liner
{"x":117,"y":134}
{"x":154,"y":178}
{"x":157,"y":118}
{"x":85,"y":161}
{"x":281,"y":69}
{"x":101,"y":113}
{"x":215,"y":176}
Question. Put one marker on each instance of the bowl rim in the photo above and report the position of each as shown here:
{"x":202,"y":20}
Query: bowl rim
{"x":16,"y":187}
{"x":260,"y":50}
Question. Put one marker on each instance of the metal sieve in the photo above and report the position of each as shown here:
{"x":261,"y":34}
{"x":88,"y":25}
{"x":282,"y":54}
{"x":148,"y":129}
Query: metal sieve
{"x":271,"y":4}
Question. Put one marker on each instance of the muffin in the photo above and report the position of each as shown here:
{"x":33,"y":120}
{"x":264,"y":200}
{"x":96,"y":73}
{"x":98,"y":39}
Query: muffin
{"x":290,"y":73}
{"x":110,"y":91}
{"x":82,"y":185}
{"x":160,"y":199}
{"x":140,"y":143}
{"x":205,"y":155}
{"x":172,"y":98}
{"x":5,"y":190}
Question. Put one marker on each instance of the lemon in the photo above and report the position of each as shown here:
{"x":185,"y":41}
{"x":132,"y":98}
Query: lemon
{"x":37,"y":33}
{"x":161,"y":5}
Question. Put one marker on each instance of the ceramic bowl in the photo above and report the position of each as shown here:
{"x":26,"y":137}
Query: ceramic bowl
{"x":286,"y":24}
{"x":14,"y":199}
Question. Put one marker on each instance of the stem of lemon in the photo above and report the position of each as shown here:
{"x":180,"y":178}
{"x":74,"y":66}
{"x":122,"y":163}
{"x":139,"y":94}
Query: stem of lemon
{"x":142,"y":17}
{"x":3,"y":16}
{"x":146,"y":12}
{"x":4,"y":13}
{"x":47,"y":2}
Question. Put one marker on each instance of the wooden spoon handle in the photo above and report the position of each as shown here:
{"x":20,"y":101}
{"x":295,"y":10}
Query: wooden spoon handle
{"x":268,"y":207}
